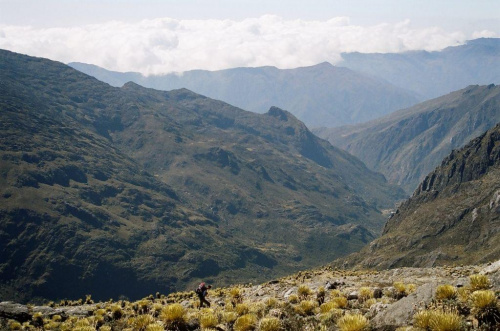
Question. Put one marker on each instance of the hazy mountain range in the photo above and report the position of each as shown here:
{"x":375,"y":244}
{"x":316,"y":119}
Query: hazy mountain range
{"x":318,"y":95}
{"x":130,"y":190}
{"x":432,"y":74}
{"x":408,"y":144}
{"x":361,"y":88}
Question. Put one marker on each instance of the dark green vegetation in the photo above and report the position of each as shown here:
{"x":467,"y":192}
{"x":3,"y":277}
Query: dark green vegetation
{"x":453,"y":216}
{"x":130,"y":191}
{"x":432,"y":74}
{"x":408,"y":144}
{"x":320,"y":95}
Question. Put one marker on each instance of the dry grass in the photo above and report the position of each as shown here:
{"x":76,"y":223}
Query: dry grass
{"x":446,"y":292}
{"x":479,"y":282}
{"x":356,"y":322}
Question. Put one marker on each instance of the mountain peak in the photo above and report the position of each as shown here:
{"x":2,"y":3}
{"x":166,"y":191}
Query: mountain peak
{"x":279,"y":113}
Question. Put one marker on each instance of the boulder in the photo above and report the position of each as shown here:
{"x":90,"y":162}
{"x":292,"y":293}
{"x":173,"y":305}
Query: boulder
{"x":353,"y":296}
{"x":401,"y":312}
{"x":378,"y":293}
{"x":14,"y":311}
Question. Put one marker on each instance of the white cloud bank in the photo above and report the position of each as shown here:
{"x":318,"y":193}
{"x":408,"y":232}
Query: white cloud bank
{"x":169,"y":45}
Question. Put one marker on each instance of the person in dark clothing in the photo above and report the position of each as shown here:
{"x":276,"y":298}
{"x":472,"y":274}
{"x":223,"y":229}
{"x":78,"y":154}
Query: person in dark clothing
{"x":202,"y":292}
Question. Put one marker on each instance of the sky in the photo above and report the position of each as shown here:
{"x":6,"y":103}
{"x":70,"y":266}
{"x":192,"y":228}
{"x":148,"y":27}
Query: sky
{"x":162,"y":36}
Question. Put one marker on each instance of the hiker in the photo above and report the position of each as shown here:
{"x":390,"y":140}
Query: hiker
{"x":202,"y":292}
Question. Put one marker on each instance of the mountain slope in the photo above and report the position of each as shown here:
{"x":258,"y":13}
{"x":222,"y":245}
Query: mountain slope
{"x":318,"y":95}
{"x":453,"y":216}
{"x":431,"y":74}
{"x":408,"y":144}
{"x":130,"y":189}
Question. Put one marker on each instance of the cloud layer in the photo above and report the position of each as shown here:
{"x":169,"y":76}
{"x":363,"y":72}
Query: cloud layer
{"x":169,"y":45}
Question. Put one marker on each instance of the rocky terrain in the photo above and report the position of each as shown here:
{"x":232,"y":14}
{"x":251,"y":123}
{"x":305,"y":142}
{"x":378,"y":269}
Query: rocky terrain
{"x":408,"y":144}
{"x":119,"y":191}
{"x":453,"y":216}
{"x":437,"y":298}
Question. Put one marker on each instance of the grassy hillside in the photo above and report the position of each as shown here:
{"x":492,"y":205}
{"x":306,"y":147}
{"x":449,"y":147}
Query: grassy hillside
{"x":451,"y":217}
{"x":408,"y":144}
{"x":117,"y":191}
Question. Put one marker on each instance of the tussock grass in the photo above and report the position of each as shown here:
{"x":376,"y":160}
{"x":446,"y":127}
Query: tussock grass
{"x":173,"y":313}
{"x":270,"y":324}
{"x":246,"y":322}
{"x":446,"y":292}
{"x":355,"y":322}
{"x":479,"y":282}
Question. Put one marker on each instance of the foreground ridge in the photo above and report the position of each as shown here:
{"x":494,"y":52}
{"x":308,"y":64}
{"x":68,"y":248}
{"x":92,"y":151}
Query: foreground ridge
{"x":462,"y":297}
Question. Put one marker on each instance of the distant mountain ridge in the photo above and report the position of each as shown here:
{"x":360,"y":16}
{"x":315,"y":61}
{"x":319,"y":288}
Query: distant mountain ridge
{"x":432,"y":74}
{"x":452,"y":218}
{"x":408,"y":144}
{"x":318,"y":95}
{"x":119,"y":191}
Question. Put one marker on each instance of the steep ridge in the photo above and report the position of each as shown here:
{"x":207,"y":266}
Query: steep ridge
{"x":408,"y":144}
{"x":453,"y":216}
{"x":117,"y":191}
{"x":318,"y":95}
{"x":432,"y":74}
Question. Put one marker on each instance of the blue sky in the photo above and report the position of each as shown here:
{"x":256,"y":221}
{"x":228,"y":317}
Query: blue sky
{"x":154,"y":36}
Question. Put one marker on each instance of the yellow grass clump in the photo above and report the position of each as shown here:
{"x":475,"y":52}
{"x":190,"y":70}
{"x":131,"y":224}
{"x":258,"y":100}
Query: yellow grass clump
{"x":479,"y":282}
{"x":152,"y":327}
{"x":173,"y":313}
{"x":208,"y":320}
{"x":242,"y":309}
{"x":306,"y":307}
{"x":437,"y":320}
{"x":445,"y":321}
{"x":270,"y":324}
{"x":229,"y":317}
{"x":341,"y":302}
{"x":356,"y":322}
{"x":422,"y":319}
{"x":364,"y":294}
{"x":446,"y":292}
{"x":483,"y":299}
{"x":246,"y":322}
{"x":293,"y":298}
{"x":303,"y":291}
{"x":327,"y":306}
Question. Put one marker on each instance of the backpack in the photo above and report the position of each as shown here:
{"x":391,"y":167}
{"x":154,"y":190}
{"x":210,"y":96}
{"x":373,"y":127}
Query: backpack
{"x":201,"y":288}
